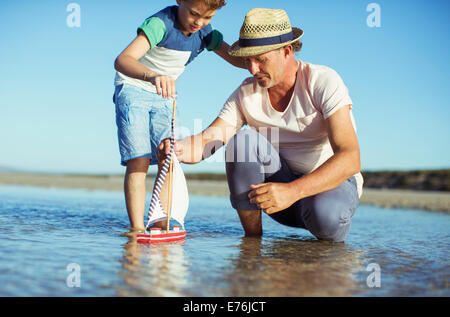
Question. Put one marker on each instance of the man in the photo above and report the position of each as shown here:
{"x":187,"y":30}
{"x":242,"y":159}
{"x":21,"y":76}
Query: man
{"x":307,"y":175}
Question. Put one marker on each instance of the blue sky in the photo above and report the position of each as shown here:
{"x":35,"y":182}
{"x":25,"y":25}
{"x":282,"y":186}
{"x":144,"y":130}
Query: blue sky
{"x":56,"y":86}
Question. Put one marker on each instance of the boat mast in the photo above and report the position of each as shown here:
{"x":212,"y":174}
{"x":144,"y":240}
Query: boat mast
{"x":172,"y":149}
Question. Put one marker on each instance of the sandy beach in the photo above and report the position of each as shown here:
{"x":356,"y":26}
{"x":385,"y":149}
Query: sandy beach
{"x":387,"y":198}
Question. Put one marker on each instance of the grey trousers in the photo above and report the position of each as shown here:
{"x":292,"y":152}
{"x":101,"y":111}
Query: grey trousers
{"x":251,"y":159}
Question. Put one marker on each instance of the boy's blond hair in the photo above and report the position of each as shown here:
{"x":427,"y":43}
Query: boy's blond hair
{"x":212,"y":4}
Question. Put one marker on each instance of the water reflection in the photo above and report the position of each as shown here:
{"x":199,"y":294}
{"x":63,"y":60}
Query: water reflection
{"x":218,"y":261}
{"x":293,"y":267}
{"x":257,"y":267}
{"x":153,"y":270}
{"x":53,"y":228}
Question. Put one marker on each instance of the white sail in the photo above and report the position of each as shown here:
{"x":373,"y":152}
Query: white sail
{"x":180,"y":197}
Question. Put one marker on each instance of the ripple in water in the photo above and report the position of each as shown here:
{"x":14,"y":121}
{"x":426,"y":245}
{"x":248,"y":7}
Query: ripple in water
{"x":44,"y":230}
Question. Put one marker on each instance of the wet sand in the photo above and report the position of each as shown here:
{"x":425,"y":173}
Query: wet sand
{"x":386,"y":198}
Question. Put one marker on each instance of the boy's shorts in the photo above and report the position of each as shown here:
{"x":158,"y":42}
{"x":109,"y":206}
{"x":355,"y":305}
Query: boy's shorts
{"x":143,"y":120}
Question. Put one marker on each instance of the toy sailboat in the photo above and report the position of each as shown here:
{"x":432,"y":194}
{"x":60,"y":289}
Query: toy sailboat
{"x":177,"y":208}
{"x":177,"y":211}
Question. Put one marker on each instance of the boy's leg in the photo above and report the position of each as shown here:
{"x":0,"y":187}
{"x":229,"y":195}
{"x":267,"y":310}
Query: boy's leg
{"x":135,"y":191}
{"x":132,"y":118}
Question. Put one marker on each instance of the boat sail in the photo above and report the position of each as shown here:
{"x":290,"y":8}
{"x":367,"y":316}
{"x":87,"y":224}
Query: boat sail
{"x":179,"y":206}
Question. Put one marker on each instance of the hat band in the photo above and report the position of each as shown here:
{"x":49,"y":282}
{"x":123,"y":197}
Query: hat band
{"x":267,"y":40}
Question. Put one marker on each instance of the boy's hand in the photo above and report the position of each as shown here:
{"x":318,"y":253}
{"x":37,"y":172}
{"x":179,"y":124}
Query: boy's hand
{"x":165,"y":86}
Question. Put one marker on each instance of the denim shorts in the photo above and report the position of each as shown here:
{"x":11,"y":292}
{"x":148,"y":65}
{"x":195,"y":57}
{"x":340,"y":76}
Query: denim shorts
{"x":143,"y":120}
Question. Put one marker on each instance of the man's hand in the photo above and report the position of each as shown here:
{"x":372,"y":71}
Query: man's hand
{"x":165,"y":86}
{"x":272,"y":197}
{"x":164,"y":150}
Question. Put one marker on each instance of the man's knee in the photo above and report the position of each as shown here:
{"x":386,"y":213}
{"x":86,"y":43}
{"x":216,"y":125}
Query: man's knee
{"x":328,"y":219}
{"x":241,"y":160}
{"x":249,"y":146}
{"x":243,"y":168}
{"x":242,"y":147}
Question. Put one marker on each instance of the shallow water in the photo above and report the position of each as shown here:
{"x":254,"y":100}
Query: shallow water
{"x":43,"y":231}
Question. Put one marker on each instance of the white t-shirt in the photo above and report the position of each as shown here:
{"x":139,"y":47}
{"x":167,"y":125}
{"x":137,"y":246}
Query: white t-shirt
{"x":299,"y":133}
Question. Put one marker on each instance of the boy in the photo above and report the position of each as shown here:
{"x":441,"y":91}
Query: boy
{"x":145,"y":82}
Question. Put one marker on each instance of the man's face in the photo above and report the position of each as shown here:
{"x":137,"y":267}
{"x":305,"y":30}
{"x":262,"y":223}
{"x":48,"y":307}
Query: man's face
{"x":193,"y":15}
{"x":267,"y":68}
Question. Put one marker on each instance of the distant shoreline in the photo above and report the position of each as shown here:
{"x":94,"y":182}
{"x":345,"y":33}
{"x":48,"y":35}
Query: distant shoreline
{"x":387,"y":198}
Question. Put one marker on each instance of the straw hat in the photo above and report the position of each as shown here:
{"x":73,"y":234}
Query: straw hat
{"x":264,"y":30}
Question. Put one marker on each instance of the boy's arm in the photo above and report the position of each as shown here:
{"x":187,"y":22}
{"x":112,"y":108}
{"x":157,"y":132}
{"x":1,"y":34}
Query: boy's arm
{"x":128,"y":64}
{"x":233,"y":60}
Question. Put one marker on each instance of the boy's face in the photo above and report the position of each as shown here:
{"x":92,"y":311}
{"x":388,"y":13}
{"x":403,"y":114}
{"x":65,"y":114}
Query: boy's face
{"x":193,"y":15}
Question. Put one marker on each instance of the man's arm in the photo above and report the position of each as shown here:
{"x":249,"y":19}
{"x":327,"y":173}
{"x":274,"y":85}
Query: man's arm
{"x":343,"y":164}
{"x":273,"y":197}
{"x":233,"y":60}
{"x":196,"y":148}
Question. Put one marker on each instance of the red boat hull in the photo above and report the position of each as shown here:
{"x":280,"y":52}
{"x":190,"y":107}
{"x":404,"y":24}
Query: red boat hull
{"x":162,"y":237}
